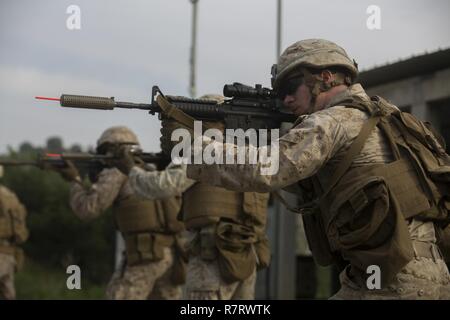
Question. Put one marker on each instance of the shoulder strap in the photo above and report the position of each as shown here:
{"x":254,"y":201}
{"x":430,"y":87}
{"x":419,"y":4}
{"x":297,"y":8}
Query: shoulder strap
{"x":344,"y":165}
{"x":376,"y":111}
{"x":354,"y":150}
{"x":174,"y":112}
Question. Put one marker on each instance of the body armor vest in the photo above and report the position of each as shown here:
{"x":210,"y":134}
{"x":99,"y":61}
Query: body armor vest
{"x":238,"y":242}
{"x":147,"y":226}
{"x":361,"y":218}
{"x":204,"y":205}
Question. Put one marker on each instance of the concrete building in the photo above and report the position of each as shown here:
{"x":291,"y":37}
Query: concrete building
{"x":420,"y":85}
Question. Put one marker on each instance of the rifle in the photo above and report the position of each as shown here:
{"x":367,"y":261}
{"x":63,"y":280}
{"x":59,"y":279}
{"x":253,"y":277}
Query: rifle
{"x":85,"y":161}
{"x":247,"y":107}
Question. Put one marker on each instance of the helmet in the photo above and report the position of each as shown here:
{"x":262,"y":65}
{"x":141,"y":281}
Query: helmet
{"x":117,"y":135}
{"x":312,"y":53}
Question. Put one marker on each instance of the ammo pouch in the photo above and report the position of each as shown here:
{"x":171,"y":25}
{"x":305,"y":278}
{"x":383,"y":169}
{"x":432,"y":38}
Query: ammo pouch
{"x":255,"y":215}
{"x":262,"y":251}
{"x":146,"y":247}
{"x":232,"y":226}
{"x":365,"y":224}
{"x":316,"y":236}
{"x":237,"y":259}
{"x":180,"y":261}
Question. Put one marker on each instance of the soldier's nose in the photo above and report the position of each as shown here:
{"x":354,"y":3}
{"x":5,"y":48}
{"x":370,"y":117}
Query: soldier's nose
{"x":288,"y":100}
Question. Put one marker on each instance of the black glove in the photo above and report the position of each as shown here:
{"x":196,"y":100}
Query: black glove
{"x":167,"y":127}
{"x":125,"y":160}
{"x":69,"y":172}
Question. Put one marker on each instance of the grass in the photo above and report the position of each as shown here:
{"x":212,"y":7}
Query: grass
{"x":38,"y":282}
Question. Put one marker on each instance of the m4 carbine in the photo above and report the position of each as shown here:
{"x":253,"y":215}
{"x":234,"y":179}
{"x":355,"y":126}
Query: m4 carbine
{"x":85,"y":161}
{"x":246,"y":107}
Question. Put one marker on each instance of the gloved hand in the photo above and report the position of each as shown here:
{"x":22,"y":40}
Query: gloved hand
{"x":125,"y":159}
{"x":167,"y":127}
{"x":69,"y":172}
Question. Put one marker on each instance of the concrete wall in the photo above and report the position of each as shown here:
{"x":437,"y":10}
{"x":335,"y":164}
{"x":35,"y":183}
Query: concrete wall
{"x":419,"y":93}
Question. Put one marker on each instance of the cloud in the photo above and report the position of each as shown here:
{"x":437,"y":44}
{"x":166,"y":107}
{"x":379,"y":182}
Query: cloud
{"x":25,"y":119}
{"x":125,"y":47}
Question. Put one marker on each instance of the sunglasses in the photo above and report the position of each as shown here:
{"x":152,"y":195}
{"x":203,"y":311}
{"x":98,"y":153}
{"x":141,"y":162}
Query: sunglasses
{"x":289,"y":86}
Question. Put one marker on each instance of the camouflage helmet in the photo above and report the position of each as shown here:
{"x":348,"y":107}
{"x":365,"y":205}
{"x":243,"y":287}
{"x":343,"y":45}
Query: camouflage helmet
{"x":117,"y":135}
{"x":312,"y":53}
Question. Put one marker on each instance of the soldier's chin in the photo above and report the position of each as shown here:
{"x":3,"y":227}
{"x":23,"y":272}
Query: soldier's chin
{"x":299,"y":111}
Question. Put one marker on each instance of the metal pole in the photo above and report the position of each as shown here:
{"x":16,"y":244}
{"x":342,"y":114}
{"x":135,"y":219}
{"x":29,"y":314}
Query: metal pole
{"x":192,"y":60}
{"x":278,"y":28}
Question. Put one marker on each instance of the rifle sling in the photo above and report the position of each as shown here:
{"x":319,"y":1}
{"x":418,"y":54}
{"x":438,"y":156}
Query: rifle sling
{"x":175,"y":113}
{"x":354,"y":150}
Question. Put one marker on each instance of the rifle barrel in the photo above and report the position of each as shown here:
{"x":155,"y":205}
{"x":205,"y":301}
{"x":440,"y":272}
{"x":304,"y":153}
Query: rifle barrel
{"x":18,"y":163}
{"x":100,"y":103}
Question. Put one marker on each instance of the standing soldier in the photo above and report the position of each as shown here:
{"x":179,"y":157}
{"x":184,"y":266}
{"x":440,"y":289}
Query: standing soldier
{"x":228,"y":241}
{"x":150,"y":229}
{"x":374,"y":181}
{"x":13,"y":232}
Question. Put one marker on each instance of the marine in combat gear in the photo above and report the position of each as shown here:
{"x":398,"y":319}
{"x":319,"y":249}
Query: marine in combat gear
{"x":373,"y":180}
{"x":227,"y":229}
{"x":13,"y":232}
{"x":154,"y":263}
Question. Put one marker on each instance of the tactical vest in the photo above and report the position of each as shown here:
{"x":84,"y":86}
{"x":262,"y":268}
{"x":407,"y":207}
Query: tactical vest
{"x":147,"y":226}
{"x":204,"y":205}
{"x":12,"y":218}
{"x":240,"y":219}
{"x":358,"y":215}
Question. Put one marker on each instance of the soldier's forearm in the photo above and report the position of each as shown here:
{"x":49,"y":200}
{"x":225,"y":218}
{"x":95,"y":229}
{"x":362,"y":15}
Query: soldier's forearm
{"x":258,"y":170}
{"x":155,"y":185}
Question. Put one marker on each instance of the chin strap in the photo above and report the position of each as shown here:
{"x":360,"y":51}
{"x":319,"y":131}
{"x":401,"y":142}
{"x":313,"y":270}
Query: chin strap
{"x":316,"y":84}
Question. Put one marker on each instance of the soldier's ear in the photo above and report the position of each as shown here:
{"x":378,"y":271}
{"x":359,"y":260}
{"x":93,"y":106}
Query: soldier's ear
{"x":327,"y":76}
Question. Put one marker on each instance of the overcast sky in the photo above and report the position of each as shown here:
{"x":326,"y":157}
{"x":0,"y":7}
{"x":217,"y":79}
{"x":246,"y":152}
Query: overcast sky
{"x":125,"y":47}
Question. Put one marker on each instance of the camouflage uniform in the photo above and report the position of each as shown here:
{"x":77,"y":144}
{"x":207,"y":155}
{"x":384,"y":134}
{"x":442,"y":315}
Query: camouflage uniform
{"x":147,"y":281}
{"x":7,"y":269}
{"x":150,"y":280}
{"x":204,"y":281}
{"x":321,"y":140}
{"x":445,"y":245}
{"x":134,"y":282}
{"x":10,"y":254}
